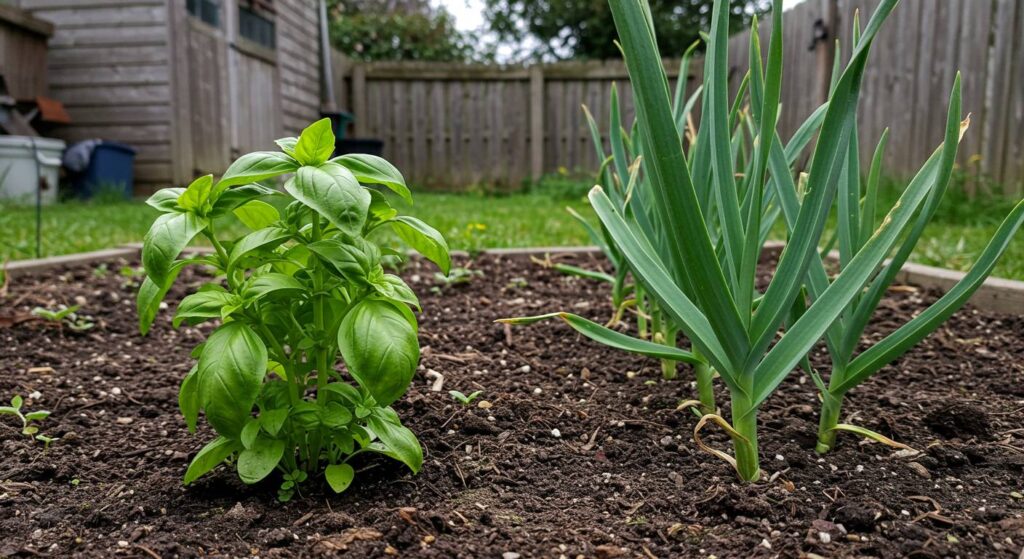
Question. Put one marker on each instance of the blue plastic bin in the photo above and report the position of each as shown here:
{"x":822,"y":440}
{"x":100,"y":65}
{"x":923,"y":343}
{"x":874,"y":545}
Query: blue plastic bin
{"x":111,"y":170}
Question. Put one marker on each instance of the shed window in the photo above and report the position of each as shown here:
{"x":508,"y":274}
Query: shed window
{"x":207,"y":11}
{"x":256,"y":22}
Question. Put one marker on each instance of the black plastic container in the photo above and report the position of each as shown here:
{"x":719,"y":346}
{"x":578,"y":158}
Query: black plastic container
{"x":371,"y":146}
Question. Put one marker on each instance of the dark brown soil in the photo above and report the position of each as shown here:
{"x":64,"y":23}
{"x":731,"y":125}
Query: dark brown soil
{"x":621,"y":478}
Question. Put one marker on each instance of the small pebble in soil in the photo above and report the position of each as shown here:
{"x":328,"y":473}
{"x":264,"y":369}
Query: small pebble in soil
{"x":510,"y":555}
{"x":556,"y":433}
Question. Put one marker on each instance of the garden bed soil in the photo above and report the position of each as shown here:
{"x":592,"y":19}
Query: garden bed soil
{"x":581,"y":452}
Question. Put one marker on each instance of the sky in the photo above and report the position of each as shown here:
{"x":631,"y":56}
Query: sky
{"x":469,"y":13}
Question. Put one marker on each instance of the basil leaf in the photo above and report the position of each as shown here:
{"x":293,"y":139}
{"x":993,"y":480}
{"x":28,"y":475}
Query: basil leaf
{"x":235,"y":197}
{"x":370,"y":169}
{"x":269,"y":237}
{"x":272,"y":420}
{"x":334,"y":193}
{"x":256,"y":214}
{"x":287,"y":145}
{"x":258,"y":462}
{"x":394,"y":288}
{"x":203,"y":305}
{"x":231,"y":370}
{"x":355,"y":261}
{"x":273,"y":283}
{"x":209,"y":457}
{"x":379,"y":346}
{"x":188,"y":399}
{"x":168,"y":236}
{"x":166,"y":199}
{"x":197,"y":194}
{"x":398,"y":441}
{"x":256,"y":166}
{"x":425,"y":239}
{"x":316,"y":143}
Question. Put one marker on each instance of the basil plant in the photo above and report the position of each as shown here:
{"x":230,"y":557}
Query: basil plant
{"x":304,"y":285}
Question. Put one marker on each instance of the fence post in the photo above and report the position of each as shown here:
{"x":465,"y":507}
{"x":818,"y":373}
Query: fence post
{"x":827,"y":46}
{"x":359,"y":99}
{"x":536,"y":121}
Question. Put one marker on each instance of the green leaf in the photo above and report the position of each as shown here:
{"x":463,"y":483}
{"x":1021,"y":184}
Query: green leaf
{"x":258,"y":462}
{"x":830,"y":154}
{"x":256,"y":166}
{"x":188,"y":399}
{"x":196,"y":195}
{"x":905,"y":337}
{"x":166,"y":199}
{"x":266,"y":238}
{"x":168,"y":236}
{"x":231,"y":370}
{"x":257,"y":214}
{"x":147,"y":302}
{"x":272,"y":283}
{"x":334,"y":193}
{"x":346,"y":391}
{"x":273,"y":420}
{"x":370,"y":169}
{"x":37,"y":415}
{"x":648,"y":268}
{"x":424,"y":239}
{"x":674,"y":200}
{"x":394,"y":288}
{"x":209,"y":457}
{"x":379,"y":346}
{"x":316,"y":143}
{"x":202,"y":306}
{"x":335,"y":416}
{"x":250,"y":432}
{"x":339,"y":476}
{"x":398,"y":442}
{"x":802,"y":336}
{"x":612,"y":338}
{"x":235,"y":197}
{"x":355,"y":260}
{"x":598,"y":275}
{"x":287,"y":145}
{"x":380,"y":208}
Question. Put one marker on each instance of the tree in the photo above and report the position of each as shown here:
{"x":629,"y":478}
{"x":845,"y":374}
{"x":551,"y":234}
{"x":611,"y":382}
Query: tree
{"x":563,"y":29}
{"x":396,"y":30}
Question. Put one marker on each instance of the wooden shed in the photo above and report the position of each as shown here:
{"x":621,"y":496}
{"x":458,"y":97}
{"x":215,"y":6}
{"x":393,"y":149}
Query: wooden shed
{"x":189,"y":83}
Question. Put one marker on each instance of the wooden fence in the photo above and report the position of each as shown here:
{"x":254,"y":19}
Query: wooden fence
{"x":23,"y":53}
{"x":448,"y":126}
{"x":910,"y":74}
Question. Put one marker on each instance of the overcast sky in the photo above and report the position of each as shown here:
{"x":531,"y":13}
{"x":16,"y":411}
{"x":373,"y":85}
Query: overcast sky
{"x":469,"y":13}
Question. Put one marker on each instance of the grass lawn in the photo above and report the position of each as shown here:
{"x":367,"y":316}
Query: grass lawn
{"x":469,"y":222}
{"x":958,"y":233}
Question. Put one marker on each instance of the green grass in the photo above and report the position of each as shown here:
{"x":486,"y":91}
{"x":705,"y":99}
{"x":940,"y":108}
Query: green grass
{"x":469,"y":222}
{"x":473,"y":222}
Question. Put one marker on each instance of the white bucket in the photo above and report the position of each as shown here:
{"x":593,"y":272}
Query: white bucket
{"x":18,"y":168}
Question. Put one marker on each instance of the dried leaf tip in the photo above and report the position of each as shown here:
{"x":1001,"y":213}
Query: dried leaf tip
{"x":964,"y":125}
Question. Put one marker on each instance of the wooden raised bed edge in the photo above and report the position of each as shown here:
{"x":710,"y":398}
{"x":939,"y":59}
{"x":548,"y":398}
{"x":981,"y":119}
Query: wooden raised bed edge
{"x":996,"y":295}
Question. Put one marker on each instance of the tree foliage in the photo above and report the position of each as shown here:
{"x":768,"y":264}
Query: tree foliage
{"x":583,"y":29}
{"x":396,"y":30}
